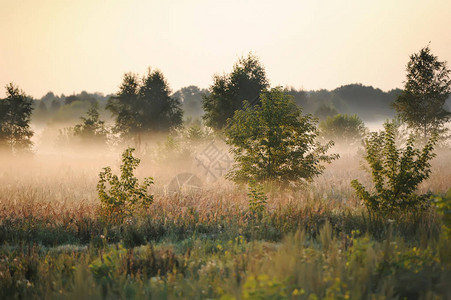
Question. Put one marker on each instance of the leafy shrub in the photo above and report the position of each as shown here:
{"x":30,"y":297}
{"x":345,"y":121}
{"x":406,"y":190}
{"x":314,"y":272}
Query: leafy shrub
{"x":274,"y":143}
{"x":125,"y":194}
{"x":396,"y":173}
{"x":344,"y":129}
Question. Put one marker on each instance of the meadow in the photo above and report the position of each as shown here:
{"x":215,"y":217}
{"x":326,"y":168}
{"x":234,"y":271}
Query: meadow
{"x":316,"y":242}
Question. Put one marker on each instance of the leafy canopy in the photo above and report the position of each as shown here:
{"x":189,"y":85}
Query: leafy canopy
{"x":15,"y":114}
{"x":145,"y":105}
{"x":228,"y":91}
{"x":428,"y":85}
{"x":396,"y":173}
{"x":273,"y":142}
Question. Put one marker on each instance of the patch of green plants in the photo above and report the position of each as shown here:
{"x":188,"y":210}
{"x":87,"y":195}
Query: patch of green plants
{"x":396,"y":173}
{"x":122,"y":195}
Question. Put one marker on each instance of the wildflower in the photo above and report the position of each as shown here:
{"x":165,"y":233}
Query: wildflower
{"x":297,"y":292}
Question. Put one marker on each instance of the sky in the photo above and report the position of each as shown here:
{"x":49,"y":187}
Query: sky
{"x":70,"y":46}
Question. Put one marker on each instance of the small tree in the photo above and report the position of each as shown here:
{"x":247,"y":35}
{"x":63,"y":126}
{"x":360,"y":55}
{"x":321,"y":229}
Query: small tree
{"x":124,"y":194}
{"x":15,"y":114}
{"x":92,"y":129}
{"x":396,"y":173}
{"x":273,"y":142}
{"x":343,"y":129}
{"x":428,"y":85}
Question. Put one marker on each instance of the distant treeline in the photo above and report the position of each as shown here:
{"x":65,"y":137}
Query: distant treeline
{"x":369,"y":103}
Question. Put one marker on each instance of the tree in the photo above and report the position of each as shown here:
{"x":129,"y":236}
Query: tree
{"x":15,"y":114}
{"x":422,"y":103}
{"x":227,"y":93}
{"x":161,"y":111}
{"x":145,"y":105}
{"x":121,"y":196}
{"x":396,"y":173}
{"x":344,"y":129}
{"x":92,"y":129}
{"x":273,"y":142}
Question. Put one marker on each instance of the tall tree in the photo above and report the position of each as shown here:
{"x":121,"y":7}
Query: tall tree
{"x":145,"y":105}
{"x":15,"y":114}
{"x":428,"y":85}
{"x":274,"y":142}
{"x":228,"y":91}
{"x":160,"y":111}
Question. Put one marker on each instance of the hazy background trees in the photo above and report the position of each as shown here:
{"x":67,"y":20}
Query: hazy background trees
{"x":92,"y":129}
{"x":146,"y":105}
{"x":52,"y":108}
{"x":191,"y":99}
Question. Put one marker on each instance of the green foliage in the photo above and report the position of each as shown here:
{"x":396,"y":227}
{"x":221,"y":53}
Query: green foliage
{"x":428,"y":86}
{"x":228,"y":92}
{"x":125,"y":194}
{"x":396,"y":173}
{"x":443,"y":204}
{"x":15,"y":113}
{"x":145,"y":105}
{"x":344,"y":129}
{"x":273,"y":142}
{"x":257,"y":200}
{"x":92,"y":129}
{"x":263,"y":287}
{"x":298,"y":267}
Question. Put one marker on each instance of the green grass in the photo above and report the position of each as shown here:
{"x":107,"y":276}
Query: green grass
{"x":317,"y":243}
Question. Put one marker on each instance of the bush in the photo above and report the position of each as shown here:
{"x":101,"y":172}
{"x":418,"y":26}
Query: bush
{"x":396,"y":173}
{"x":274,"y":143}
{"x":343,"y":129}
{"x":125,"y":194}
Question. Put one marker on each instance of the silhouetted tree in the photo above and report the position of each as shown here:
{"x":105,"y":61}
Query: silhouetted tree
{"x":428,"y":85}
{"x":227,"y":93}
{"x":15,"y":113}
{"x":145,"y":105}
{"x":161,"y":112}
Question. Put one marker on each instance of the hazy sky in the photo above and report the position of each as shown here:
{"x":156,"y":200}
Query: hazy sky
{"x":70,"y":46}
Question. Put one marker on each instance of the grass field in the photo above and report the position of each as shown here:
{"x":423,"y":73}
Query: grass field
{"x":314,"y":243}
